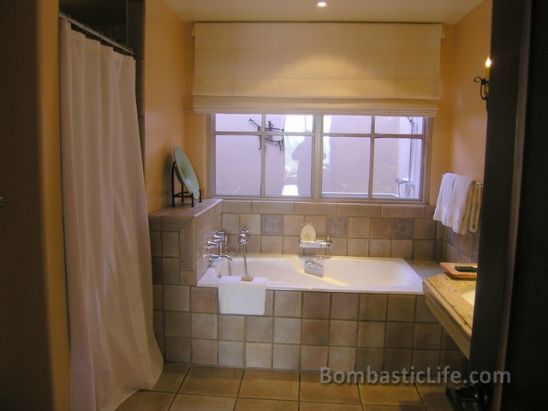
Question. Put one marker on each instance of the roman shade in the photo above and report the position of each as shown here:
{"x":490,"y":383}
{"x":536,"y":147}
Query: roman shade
{"x":378,"y":67}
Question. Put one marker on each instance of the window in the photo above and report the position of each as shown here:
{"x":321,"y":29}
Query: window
{"x":319,"y":156}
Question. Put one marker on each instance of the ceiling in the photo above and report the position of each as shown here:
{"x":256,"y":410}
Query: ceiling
{"x":419,"y":11}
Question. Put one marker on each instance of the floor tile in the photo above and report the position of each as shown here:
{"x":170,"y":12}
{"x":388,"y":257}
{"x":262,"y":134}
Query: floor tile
{"x":312,"y":390}
{"x":147,"y":401}
{"x":391,"y":408}
{"x":316,"y":406}
{"x":248,"y":404}
{"x":433,"y":395}
{"x":185,"y":402}
{"x":212,"y":381}
{"x":171,"y":378}
{"x":402,"y":395}
{"x":279,"y":385}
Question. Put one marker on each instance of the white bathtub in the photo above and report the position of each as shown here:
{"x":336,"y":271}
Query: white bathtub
{"x":341,"y":274}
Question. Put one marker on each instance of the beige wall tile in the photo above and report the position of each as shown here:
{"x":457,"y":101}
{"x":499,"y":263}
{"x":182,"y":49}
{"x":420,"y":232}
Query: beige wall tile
{"x":204,"y":352}
{"x":402,"y":211}
{"x":424,"y":359}
{"x":259,"y":329}
{"x":252,"y":222}
{"x":292,"y":224}
{"x":170,"y":271}
{"x":342,"y":358}
{"x":423,"y":313}
{"x":271,"y":244}
{"x":204,"y":326}
{"x":380,"y":228}
{"x":231,"y":327}
{"x":337,"y":226}
{"x":272,"y":207}
{"x":231,"y":223}
{"x":269,"y":303}
{"x":158,"y":323}
{"x":397,"y":360}
{"x":315,"y":332}
{"x":157,"y":275}
{"x":316,"y":305}
{"x":371,"y":334}
{"x":176,"y":298}
{"x":373,"y":307}
{"x":254,"y":244}
{"x":401,"y":249}
{"x":258,"y":355}
{"x":358,"y":247}
{"x":316,"y":208}
{"x":188,"y":278}
{"x":369,"y":358}
{"x":271,"y":224}
{"x":425,"y":229}
{"x":455,"y":360}
{"x":401,"y":308}
{"x":423,"y":249}
{"x":203,"y":300}
{"x":360,"y":210}
{"x":399,"y":335}
{"x":156,"y":243}
{"x":427,"y":336}
{"x":313,"y":357}
{"x":231,"y":354}
{"x":170,"y":244}
{"x":447,"y":342}
{"x":236,"y":206}
{"x":403,"y":228}
{"x":379,"y":248}
{"x":290,"y":245}
{"x":287,"y":303}
{"x":177,"y":349}
{"x":344,"y":306}
{"x":286,"y":357}
{"x":287,"y":330}
{"x":177,"y":324}
{"x":157,"y":297}
{"x":343,"y":333}
{"x":338,"y":246}
{"x":358,"y":227}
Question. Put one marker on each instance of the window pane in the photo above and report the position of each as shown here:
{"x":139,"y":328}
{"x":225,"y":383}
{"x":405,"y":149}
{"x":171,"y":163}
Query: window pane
{"x":294,"y":123}
{"x":288,"y":168}
{"x":397,"y":168}
{"x":237,"y":122}
{"x":347,"y":124}
{"x":237,"y":165}
{"x":398,"y":125}
{"x":345,"y":166}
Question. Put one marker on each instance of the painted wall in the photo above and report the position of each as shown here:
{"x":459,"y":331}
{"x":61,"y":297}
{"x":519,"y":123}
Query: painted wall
{"x":33,"y":317}
{"x":165,"y":91}
{"x":472,"y":44}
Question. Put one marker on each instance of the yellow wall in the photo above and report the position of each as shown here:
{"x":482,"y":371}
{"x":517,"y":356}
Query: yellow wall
{"x":472,"y":45}
{"x":33,"y":317}
{"x":165,"y":90}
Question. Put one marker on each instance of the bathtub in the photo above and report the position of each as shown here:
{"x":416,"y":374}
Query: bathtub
{"x":341,"y":274}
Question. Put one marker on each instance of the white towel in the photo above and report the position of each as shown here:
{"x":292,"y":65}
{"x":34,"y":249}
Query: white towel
{"x":460,"y":204}
{"x":242,"y":297}
{"x":477,"y":192}
{"x":443,"y":204}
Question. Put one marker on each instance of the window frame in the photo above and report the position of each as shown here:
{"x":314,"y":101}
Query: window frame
{"x":317,"y":135}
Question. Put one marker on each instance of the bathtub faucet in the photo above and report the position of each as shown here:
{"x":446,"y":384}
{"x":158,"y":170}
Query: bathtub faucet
{"x":220,"y":242}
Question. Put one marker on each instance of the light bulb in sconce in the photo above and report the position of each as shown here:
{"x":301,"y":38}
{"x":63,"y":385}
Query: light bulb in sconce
{"x":321,"y":4}
{"x":488,"y":63}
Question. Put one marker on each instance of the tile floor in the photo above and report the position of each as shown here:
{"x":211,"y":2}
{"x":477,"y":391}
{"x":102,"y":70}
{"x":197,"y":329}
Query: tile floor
{"x":181,"y":388}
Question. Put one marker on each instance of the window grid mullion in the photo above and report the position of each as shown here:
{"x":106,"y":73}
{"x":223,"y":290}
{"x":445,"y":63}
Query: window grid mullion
{"x":371,"y":159}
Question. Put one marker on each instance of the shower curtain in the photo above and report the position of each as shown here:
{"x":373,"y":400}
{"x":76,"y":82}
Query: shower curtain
{"x":112,"y":347}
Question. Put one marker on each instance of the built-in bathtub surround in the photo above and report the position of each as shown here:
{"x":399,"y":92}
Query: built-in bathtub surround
{"x":360,"y":230}
{"x":179,"y":257}
{"x":306,"y":331}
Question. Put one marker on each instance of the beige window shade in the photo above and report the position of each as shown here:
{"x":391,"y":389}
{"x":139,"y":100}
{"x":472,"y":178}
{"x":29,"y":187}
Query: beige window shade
{"x":389,"y":68}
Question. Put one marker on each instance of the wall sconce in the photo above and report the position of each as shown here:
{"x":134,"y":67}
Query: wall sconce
{"x":484,"y":81}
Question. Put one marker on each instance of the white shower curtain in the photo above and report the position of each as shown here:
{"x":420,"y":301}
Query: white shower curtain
{"x":112,"y":347}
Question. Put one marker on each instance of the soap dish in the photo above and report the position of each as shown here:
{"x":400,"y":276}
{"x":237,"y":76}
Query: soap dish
{"x":461,"y":271}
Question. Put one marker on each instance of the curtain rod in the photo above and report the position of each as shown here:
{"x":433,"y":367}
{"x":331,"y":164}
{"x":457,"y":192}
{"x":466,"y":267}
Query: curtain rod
{"x":97,"y":35}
